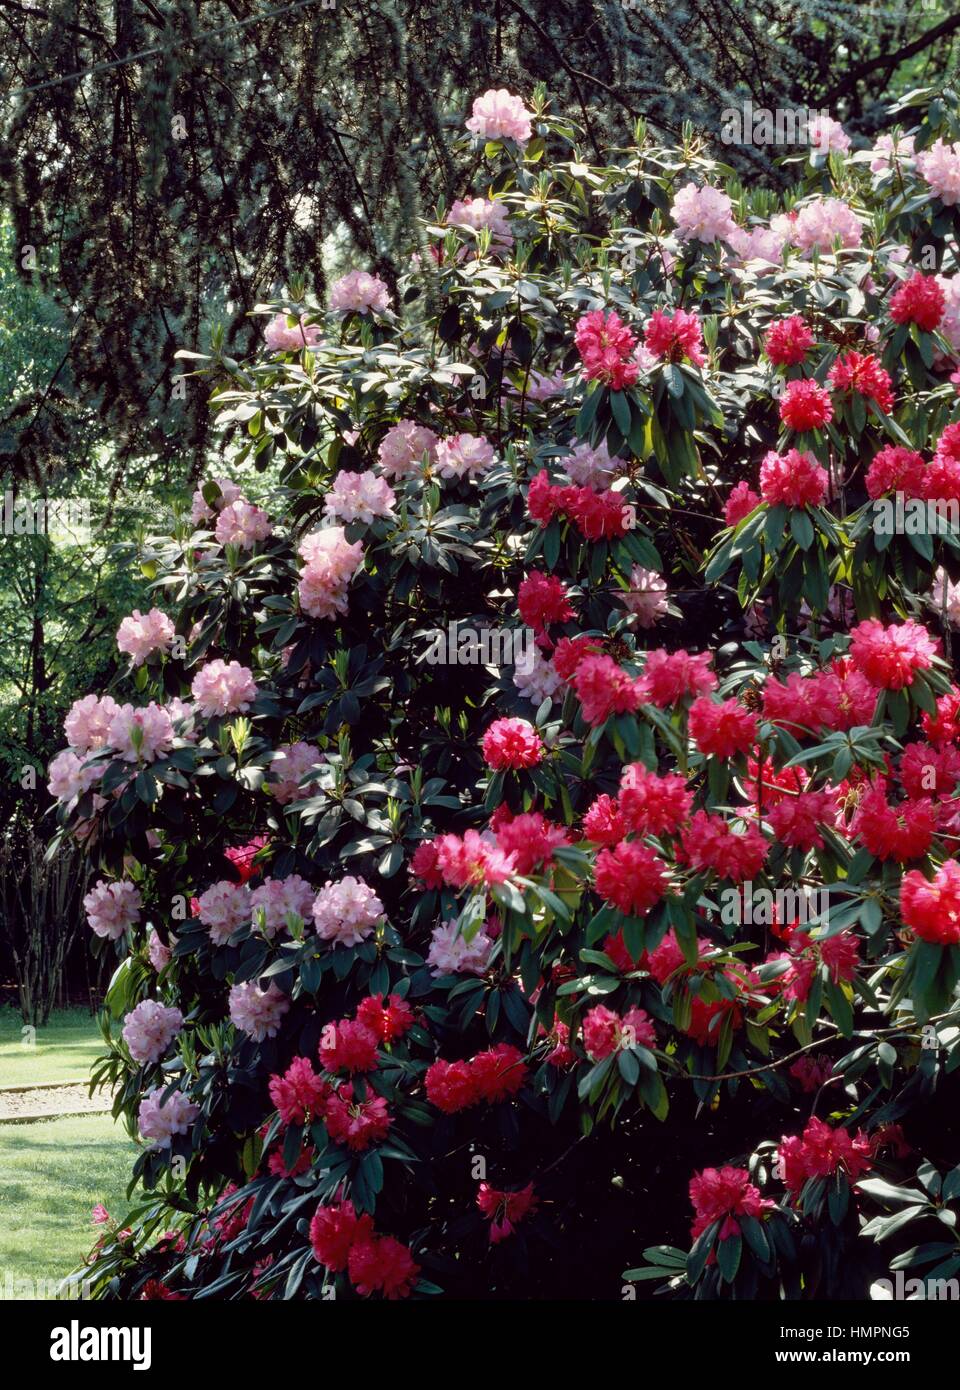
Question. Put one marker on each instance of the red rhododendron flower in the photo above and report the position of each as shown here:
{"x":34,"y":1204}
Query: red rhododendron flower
{"x":543,"y":500}
{"x":651,"y":804}
{"x":504,"y":1210}
{"x":860,"y":372}
{"x":242,"y":858}
{"x":472,"y":860}
{"x":740,"y":503}
{"x":381,"y":1264}
{"x":334,"y":1230}
{"x":787,"y":341}
{"x":805,"y":405}
{"x":606,"y":346}
{"x":811,"y":1073}
{"x":721,"y":728}
{"x":450,"y":1086}
{"x":775,"y":783}
{"x":889,"y":657}
{"x":724,"y":1194}
{"x":669,"y":676}
{"x":530,"y":839}
{"x":604,"y":688}
{"x":542,"y":600}
{"x":569,"y":653}
{"x":358,"y":1124}
{"x":387,"y":1021}
{"x":925,"y":770}
{"x":894,"y":832}
{"x":299,"y":1093}
{"x":795,"y":820}
{"x":512,"y":743}
{"x":790,"y":703}
{"x":675,"y":336}
{"x":561,"y":1054}
{"x":944,"y":726}
{"x":793,"y":479}
{"x":895,"y":469}
{"x":352,"y":1048}
{"x":498,"y":1072}
{"x":931,"y":908}
{"x":919,"y":300}
{"x":423,"y":865}
{"x":822,"y":1151}
{"x":155,"y":1290}
{"x":599,"y":515}
{"x":604,"y":823}
{"x":604,"y":1032}
{"x":842,"y":696}
{"x":709,"y":843}
{"x":631,"y":877}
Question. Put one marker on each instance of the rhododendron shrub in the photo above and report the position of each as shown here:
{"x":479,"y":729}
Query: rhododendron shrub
{"x":416,"y":954}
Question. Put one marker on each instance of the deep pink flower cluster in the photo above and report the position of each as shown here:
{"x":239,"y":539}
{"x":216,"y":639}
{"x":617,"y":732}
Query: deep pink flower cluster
{"x":631,"y":877}
{"x":512,"y":744}
{"x":793,"y":479}
{"x":787,"y":341}
{"x":607,"y":346}
{"x":648,"y":803}
{"x":862,"y":373}
{"x":724,"y":1195}
{"x":604,"y":688}
{"x":805,"y":405}
{"x":931,"y":907}
{"x":675,"y":336}
{"x":891,"y":656}
{"x":505,"y":1210}
{"x":542,"y":600}
{"x":342,"y":1240}
{"x":490,"y":1076}
{"x":709,"y":842}
{"x":605,"y":1032}
{"x":721,"y":728}
{"x":822,"y":1151}
{"x":919,"y":300}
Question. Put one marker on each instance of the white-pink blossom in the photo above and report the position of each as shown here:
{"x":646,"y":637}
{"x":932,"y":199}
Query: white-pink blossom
{"x":451,"y":953}
{"x":403,"y":447}
{"x":159,"y":1122}
{"x":359,"y":497}
{"x":112,"y":907}
{"x":202,"y":511}
{"x":223,"y":908}
{"x":143,"y":633}
{"x":464,"y":455}
{"x":141,"y":734}
{"x":149,"y":1030}
{"x":292,"y":762}
{"x":331,"y":562}
{"x":537,"y":680}
{"x":68,"y":778}
{"x":257,"y":1011}
{"x":646,"y":598}
{"x":241,"y":523}
{"x":478,"y":214}
{"x":887,"y":148}
{"x":499,"y":115}
{"x":827,"y":136}
{"x":87,"y":725}
{"x":287,"y":333}
{"x":158,"y":954}
{"x":940,"y":167}
{"x":702,"y":214}
{"x":346,"y":911}
{"x":821,"y":222}
{"x":589,"y":467}
{"x":758,"y":243}
{"x":359,"y":293}
{"x":276,"y":898}
{"x":222,"y":687}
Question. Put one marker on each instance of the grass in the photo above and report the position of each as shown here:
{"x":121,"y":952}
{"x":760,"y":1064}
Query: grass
{"x":51,"y":1175}
{"x":63,"y":1050}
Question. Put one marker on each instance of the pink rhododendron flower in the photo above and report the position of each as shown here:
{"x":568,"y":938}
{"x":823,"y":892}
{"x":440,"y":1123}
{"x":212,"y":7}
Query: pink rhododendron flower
{"x":854,"y":371}
{"x":887,"y":148}
{"x":648,"y":803}
{"x":499,"y":115}
{"x":144,"y":633}
{"x":276,"y":899}
{"x":464,"y":456}
{"x":702,"y":214}
{"x":346,"y":912}
{"x":890,"y":657}
{"x":528,"y":838}
{"x":827,"y":136}
{"x":204,"y":511}
{"x":539,"y":680}
{"x":793,"y":479}
{"x":299,"y":1095}
{"x":821,"y":222}
{"x":480,"y":214}
{"x":895,"y":469}
{"x":473,"y":860}
{"x":222,"y":687}
{"x":504,"y":1210}
{"x":542,"y":600}
{"x":224,"y":908}
{"x":68,"y":778}
{"x":721,"y":728}
{"x":112,"y":907}
{"x":940,"y":167}
{"x":450,"y":952}
{"x":359,"y":497}
{"x":257,"y":1011}
{"x":512,"y":743}
{"x":919,"y":300}
{"x":356,"y":1123}
{"x":796,"y":820}
{"x":724,"y":1195}
{"x":646,"y":597}
{"x":280,"y":335}
{"x":291,"y":763}
{"x":149,"y":1030}
{"x":159,"y":1120}
{"x":158,"y":954}
{"x":675,"y":336}
{"x":740,"y":503}
{"x":242,"y":524}
{"x":631,"y":877}
{"x":590,"y":467}
{"x":805,"y":405}
{"x":403,"y":447}
{"x":821,"y":1151}
{"x":606,"y":346}
{"x":669,"y":676}
{"x":331,"y":562}
{"x":931,"y":907}
{"x":141,"y":735}
{"x":788,"y":340}
{"x":359,"y":293}
{"x":604,"y":688}
{"x":87,"y":725}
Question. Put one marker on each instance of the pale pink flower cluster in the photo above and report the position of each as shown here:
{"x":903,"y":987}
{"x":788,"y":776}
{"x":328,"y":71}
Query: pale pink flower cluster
{"x":404,"y":446}
{"x":950,"y":323}
{"x":886,"y":148}
{"x":951,"y":604}
{"x":276,"y":898}
{"x":589,"y":467}
{"x":68,"y":778}
{"x":158,"y":954}
{"x":201,"y":511}
{"x":540,"y":387}
{"x":346,"y":911}
{"x":940,"y":167}
{"x":182,"y":712}
{"x":150,"y":1029}
{"x":359,"y":293}
{"x":87,"y":725}
{"x":160,"y":1122}
{"x":359,"y":497}
{"x":112,"y":907}
{"x":222,"y":687}
{"x":143,"y":633}
{"x":759,"y":243}
{"x":539,"y":680}
{"x":451,"y":953}
{"x":464,"y":455}
{"x":223,"y":908}
{"x":241,"y":523}
{"x":141,"y":734}
{"x":646,"y":598}
{"x":827,"y":136}
{"x":480,"y":214}
{"x":280,"y":335}
{"x":291,"y":762}
{"x":257,"y":1011}
{"x":331,"y":561}
{"x":702,"y":214}
{"x":821,"y":222}
{"x":499,"y":115}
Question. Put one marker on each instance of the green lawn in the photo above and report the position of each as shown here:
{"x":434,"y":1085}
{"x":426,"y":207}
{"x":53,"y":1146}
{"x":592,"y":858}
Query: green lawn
{"x":63,"y":1049}
{"x":51,"y":1175}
